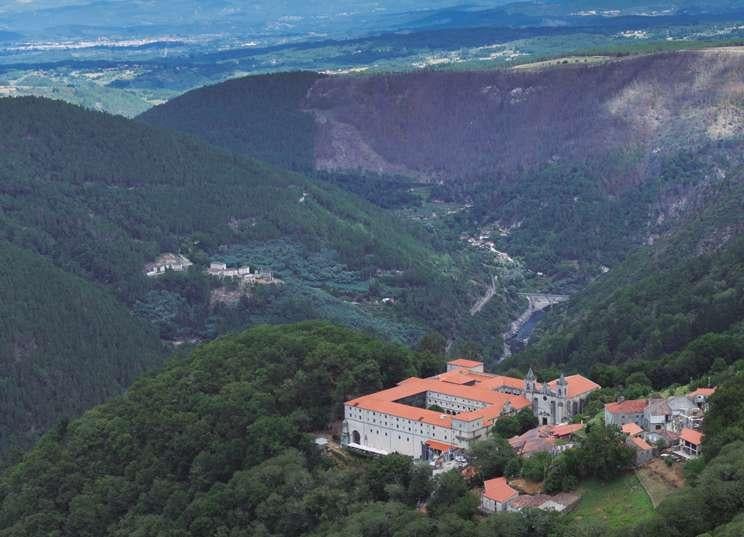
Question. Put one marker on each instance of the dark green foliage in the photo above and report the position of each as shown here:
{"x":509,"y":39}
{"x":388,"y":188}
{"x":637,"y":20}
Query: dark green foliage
{"x":388,"y":192}
{"x":451,"y":494}
{"x":724,"y":423}
{"x":669,"y":312}
{"x":491,"y":456}
{"x":101,"y":196}
{"x":255,"y":116}
{"x":65,"y":345}
{"x":519,"y":423}
{"x":191,"y":446}
{"x":601,"y":453}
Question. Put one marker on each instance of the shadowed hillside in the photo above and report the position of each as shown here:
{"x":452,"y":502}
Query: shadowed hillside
{"x":65,"y":345}
{"x":573,"y":165}
{"x":487,"y":124}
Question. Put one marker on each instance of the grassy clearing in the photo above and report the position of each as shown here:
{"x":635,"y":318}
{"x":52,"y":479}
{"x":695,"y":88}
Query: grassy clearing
{"x":660,"y":480}
{"x":619,"y":503}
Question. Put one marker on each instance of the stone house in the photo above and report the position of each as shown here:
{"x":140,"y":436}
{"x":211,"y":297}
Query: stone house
{"x":657,"y":415}
{"x":496,"y":495}
{"x":690,"y":442}
{"x":625,"y":411}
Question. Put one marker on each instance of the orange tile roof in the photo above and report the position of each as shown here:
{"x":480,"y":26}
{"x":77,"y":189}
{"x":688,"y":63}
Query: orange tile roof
{"x":566,"y":429}
{"x":498,"y":490}
{"x":492,"y":412}
{"x":462,"y":362}
{"x":440,"y":446}
{"x":632,"y":429}
{"x":640,"y":443}
{"x":577,"y":385}
{"x":404,"y":411}
{"x":691,"y":436}
{"x":631,"y":406}
{"x":474,"y":386}
{"x":705,"y":392}
{"x":457,"y":376}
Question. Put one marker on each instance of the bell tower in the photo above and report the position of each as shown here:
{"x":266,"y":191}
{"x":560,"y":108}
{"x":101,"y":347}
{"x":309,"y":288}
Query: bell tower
{"x":529,"y":382}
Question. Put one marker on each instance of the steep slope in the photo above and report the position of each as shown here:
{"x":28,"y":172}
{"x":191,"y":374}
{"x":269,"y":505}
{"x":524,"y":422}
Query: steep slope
{"x":177,"y":439}
{"x":489,"y":124}
{"x":672,"y":309}
{"x":258,"y":116}
{"x":101,"y":196}
{"x":65,"y":345}
{"x":455,"y":126}
{"x":571,"y":165}
{"x":219,"y":445}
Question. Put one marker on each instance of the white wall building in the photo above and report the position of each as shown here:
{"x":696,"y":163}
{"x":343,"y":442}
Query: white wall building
{"x":427,"y":417}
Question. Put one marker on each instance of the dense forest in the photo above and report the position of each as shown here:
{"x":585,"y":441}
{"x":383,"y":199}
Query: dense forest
{"x":101,"y":196}
{"x":218,"y":444}
{"x":671,"y":309}
{"x":65,"y":345}
{"x":568,"y":199}
{"x":258,"y":116}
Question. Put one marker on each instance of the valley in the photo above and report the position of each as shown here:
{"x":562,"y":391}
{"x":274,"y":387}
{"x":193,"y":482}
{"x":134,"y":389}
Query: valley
{"x":358,"y":268}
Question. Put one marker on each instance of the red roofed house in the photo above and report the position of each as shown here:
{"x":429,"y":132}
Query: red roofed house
{"x":422,"y":418}
{"x":632,"y":429}
{"x":496,"y":495}
{"x":701,"y":397}
{"x":644,"y":450}
{"x":622,"y":412}
{"x":690,"y":442}
{"x":545,"y":439}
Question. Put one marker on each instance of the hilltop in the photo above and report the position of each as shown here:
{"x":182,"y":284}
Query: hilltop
{"x":220,"y":443}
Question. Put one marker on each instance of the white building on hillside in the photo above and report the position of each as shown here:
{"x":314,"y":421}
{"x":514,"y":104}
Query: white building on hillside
{"x":166,"y":262}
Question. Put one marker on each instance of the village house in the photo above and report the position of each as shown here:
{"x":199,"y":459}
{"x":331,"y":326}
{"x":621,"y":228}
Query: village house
{"x":446,"y":413}
{"x":545,"y":439}
{"x":625,"y":411}
{"x":701,"y":397}
{"x":690,"y":443}
{"x":243,"y":273}
{"x":644,"y":452}
{"x":656,"y":415}
{"x":496,"y":495}
{"x":166,"y":262}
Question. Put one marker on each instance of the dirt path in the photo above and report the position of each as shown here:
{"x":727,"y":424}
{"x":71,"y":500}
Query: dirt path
{"x":485,"y":299}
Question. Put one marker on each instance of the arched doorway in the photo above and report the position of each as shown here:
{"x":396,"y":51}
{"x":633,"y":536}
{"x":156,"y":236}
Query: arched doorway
{"x":356,"y":437}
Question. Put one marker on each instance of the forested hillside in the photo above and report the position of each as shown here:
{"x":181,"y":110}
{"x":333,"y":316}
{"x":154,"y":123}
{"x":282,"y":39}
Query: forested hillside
{"x":617,"y":144}
{"x":258,"y":116}
{"x":65,"y":345}
{"x":102,"y":196}
{"x":672,"y":309}
{"x":219,"y":445}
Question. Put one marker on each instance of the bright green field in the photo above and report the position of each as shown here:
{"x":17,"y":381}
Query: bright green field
{"x":619,"y":503}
